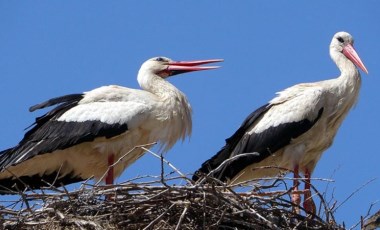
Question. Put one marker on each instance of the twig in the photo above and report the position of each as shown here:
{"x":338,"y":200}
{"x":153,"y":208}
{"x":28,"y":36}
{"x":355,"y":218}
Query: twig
{"x":366,"y":217}
{"x":121,"y":158}
{"x":168,"y":163}
{"x":159,"y":217}
{"x":21,"y":181}
{"x":353,"y":193}
{"x":182,"y":216}
{"x":211,"y":173}
{"x":162,"y":172}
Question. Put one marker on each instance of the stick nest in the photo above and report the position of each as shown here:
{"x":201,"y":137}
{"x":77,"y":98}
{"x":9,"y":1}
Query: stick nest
{"x":153,"y":204}
{"x":156,"y":202}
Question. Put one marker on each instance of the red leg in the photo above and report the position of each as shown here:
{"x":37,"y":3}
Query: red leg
{"x":296,"y":199}
{"x":109,"y":177}
{"x":308,"y":202}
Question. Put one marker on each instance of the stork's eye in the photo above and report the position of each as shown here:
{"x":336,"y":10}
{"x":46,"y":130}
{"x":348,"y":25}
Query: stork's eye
{"x":160,"y":59}
{"x":340,"y":39}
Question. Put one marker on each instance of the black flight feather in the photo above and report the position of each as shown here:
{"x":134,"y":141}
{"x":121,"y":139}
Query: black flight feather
{"x":264,"y":144}
{"x":57,"y":100}
{"x":48,"y":134}
{"x":231,"y":143}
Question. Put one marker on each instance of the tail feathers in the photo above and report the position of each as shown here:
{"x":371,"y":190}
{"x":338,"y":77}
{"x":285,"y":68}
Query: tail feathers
{"x":26,"y":183}
{"x":234,"y":145}
{"x":214,"y":163}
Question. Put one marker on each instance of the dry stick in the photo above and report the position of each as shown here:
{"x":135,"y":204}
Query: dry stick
{"x":67,"y":194}
{"x":122,"y":157}
{"x":273,"y":193}
{"x":8,"y":212}
{"x":224,"y":163}
{"x":59,"y":214}
{"x":354,"y":192}
{"x":84,"y":184}
{"x":23,"y":196}
{"x":159,"y":217}
{"x":56,"y":177}
{"x":373,"y":221}
{"x":243,"y":183}
{"x":168,"y":163}
{"x":43,"y":198}
{"x":369,"y":209}
{"x":50,"y":187}
{"x":126,"y":182}
{"x":14,"y":175}
{"x":182,"y":216}
{"x":272,"y":225}
{"x":243,"y":201}
{"x":162,"y":172}
{"x":156,"y":195}
{"x":365,"y":218}
{"x":325,"y":193}
{"x":297,"y":225}
{"x":221,"y":218}
{"x":204,"y":209}
{"x":79,"y":225}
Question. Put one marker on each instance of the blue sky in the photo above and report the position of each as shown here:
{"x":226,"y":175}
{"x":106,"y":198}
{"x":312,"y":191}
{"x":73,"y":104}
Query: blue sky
{"x":53,"y":48}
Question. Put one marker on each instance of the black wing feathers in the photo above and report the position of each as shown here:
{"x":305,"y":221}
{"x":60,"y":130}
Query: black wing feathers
{"x":231,"y":143}
{"x":264,"y":144}
{"x":57,"y":100}
{"x":11,"y":185}
{"x":277,"y":137}
{"x":39,"y":128}
{"x":48,"y":134}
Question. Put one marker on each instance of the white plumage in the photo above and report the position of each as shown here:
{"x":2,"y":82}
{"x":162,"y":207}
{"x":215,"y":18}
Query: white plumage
{"x":86,"y":133}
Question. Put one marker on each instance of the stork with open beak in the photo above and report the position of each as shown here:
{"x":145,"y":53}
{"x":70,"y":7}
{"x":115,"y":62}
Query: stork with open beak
{"x":293,"y":129}
{"x":85,"y":134}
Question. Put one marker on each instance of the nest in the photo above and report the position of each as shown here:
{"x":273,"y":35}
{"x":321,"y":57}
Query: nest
{"x":156,"y":202}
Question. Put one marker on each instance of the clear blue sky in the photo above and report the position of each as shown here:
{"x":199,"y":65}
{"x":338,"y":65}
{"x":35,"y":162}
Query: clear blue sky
{"x":53,"y":48}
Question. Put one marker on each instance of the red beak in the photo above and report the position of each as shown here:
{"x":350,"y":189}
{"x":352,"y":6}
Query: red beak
{"x":351,"y":54}
{"x":178,"y":67}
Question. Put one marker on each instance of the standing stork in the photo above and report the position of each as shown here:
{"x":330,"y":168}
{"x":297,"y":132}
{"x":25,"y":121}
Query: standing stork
{"x":85,"y":134}
{"x":294,"y":129}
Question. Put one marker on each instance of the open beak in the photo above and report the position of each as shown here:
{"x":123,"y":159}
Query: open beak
{"x":351,"y":54}
{"x":178,"y":67}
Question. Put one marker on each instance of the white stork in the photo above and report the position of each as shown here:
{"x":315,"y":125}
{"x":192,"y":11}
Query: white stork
{"x":86,"y":133}
{"x":294,"y":128}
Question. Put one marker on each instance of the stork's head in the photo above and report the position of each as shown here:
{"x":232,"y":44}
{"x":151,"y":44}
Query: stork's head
{"x":342,"y":43}
{"x":165,"y":67}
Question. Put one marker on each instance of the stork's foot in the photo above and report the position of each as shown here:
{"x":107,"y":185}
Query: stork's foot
{"x":308,"y":203}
